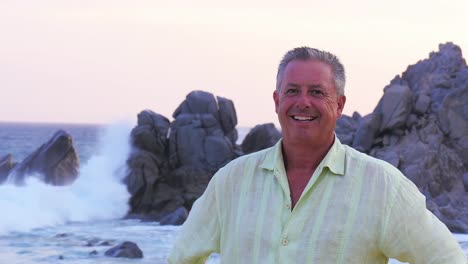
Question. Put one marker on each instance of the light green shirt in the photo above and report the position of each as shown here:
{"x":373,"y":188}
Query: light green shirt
{"x":354,"y":210}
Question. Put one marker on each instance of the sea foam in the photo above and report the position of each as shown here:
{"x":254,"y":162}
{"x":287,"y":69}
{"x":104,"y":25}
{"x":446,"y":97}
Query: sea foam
{"x":97,"y":194}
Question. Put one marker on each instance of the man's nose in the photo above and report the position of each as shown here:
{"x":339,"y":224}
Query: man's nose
{"x":303,"y":101}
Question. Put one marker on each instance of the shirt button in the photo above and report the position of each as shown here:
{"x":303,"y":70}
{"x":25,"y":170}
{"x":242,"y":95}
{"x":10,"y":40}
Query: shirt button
{"x":284,"y":241}
{"x":288,"y":206}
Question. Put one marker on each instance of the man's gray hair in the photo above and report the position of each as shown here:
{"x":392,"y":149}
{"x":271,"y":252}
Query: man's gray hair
{"x":306,"y":53}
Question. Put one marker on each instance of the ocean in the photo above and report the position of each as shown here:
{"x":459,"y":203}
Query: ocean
{"x":78,"y":223}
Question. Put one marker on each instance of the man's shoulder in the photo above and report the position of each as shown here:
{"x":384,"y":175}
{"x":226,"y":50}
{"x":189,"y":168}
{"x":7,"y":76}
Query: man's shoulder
{"x":254,"y":158}
{"x":241,"y":169}
{"x":379,"y":166}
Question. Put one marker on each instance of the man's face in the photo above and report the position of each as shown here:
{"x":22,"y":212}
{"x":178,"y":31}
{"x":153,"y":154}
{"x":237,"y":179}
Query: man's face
{"x":307,"y":104}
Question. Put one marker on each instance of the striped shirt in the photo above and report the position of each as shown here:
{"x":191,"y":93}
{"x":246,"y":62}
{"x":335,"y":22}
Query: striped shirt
{"x":355,"y":209}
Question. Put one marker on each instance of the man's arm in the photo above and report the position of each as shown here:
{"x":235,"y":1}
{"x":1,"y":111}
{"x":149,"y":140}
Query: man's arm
{"x":411,"y":233}
{"x":200,"y":234}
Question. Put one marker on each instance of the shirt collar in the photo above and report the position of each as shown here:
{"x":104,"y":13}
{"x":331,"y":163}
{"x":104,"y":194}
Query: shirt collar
{"x":334,"y":160}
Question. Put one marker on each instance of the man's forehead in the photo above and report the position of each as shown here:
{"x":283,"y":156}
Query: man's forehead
{"x":309,"y":86}
{"x":313,"y":69}
{"x":304,"y":62}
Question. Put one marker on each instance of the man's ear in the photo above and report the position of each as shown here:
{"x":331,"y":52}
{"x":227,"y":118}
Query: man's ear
{"x":276,"y":99}
{"x":341,"y":101}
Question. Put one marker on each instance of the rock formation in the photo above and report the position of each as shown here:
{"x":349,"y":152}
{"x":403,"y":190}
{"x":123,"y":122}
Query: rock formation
{"x":420,"y":126}
{"x":126,"y":249}
{"x":172,"y":163}
{"x":55,"y":162}
{"x":260,"y":137}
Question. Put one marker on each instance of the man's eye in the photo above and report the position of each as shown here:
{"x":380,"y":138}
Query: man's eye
{"x":316,"y":92}
{"x":291,"y":91}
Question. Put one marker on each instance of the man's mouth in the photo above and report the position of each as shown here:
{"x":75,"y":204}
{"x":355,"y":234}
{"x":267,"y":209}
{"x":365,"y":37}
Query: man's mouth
{"x":304,"y":118}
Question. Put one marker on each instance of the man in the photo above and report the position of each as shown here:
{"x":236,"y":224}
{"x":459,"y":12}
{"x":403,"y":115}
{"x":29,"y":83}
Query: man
{"x":310,"y":199}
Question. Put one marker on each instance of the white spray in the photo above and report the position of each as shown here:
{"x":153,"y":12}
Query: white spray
{"x":97,"y":194}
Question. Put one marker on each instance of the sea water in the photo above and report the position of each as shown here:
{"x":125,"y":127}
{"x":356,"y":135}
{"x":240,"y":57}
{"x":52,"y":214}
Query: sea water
{"x":76,"y":224}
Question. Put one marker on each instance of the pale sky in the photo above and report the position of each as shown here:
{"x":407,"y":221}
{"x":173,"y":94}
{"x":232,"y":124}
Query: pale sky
{"x":102,"y":61}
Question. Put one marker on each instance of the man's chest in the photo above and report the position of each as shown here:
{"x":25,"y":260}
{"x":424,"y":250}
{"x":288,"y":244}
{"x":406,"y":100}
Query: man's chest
{"x":327,"y":219}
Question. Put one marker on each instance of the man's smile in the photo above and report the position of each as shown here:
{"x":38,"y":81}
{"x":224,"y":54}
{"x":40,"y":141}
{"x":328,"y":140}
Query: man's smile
{"x":304,"y":118}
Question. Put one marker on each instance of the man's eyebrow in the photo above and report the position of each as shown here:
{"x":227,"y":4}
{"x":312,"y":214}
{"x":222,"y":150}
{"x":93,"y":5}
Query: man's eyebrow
{"x":314,"y":86}
{"x":293,"y":85}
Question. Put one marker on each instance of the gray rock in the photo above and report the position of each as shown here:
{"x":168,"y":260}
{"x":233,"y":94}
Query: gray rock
{"x":461,"y":77}
{"x":177,"y":217}
{"x":396,"y":106}
{"x":461,"y":146}
{"x":146,"y":171}
{"x":394,"y":139}
{"x":423,"y":101}
{"x":424,"y":76}
{"x":172,"y":163}
{"x":55,"y":162}
{"x":228,"y":118}
{"x":432,"y":166}
{"x":411,"y":121}
{"x":346,"y":127}
{"x":356,"y":116}
{"x":430,"y":133}
{"x":260,"y":137}
{"x":126,"y":249}
{"x":218,"y":150}
{"x":200,"y":118}
{"x":151,"y":132}
{"x":198,"y":102}
{"x":187,"y":144}
{"x":389,"y":156}
{"x":426,"y":137}
{"x":365,"y":134}
{"x":453,"y":115}
{"x":190,"y":182}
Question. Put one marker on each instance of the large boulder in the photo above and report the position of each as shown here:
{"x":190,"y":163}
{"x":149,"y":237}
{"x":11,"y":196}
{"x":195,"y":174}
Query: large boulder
{"x":190,"y":182}
{"x":177,"y":217}
{"x":151,"y":132}
{"x":421,"y":127}
{"x":201,"y":140}
{"x":260,"y":137}
{"x":55,"y":162}
{"x":172,"y":162}
{"x":151,"y":197}
{"x":228,"y":118}
{"x":346,"y":127}
{"x":126,"y":249}
{"x":203,"y":133}
{"x":366,"y":130}
{"x":396,"y":107}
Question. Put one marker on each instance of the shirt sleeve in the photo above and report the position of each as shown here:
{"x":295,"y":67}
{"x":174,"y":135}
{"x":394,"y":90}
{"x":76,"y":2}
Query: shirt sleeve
{"x":413,"y":234}
{"x":199,"y":236}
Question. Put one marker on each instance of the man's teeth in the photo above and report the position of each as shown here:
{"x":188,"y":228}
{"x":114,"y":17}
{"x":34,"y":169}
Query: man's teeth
{"x":303,"y":118}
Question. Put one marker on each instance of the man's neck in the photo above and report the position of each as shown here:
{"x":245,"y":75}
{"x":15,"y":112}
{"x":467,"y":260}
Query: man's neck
{"x":300,"y":162}
{"x":304,"y":157}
